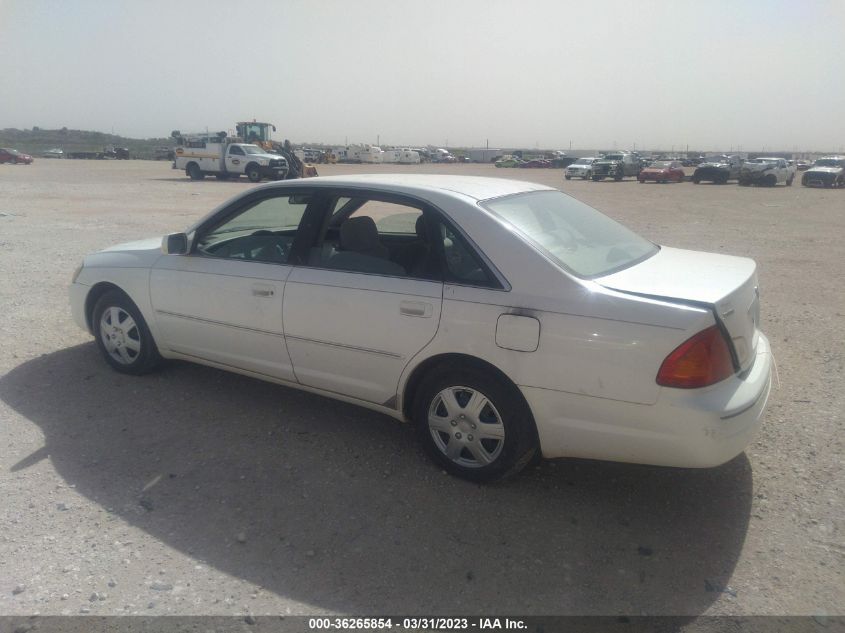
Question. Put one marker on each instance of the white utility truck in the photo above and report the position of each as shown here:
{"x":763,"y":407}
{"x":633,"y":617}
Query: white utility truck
{"x":224,"y":157}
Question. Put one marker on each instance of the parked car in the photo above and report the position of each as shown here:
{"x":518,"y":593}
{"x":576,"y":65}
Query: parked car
{"x":662,"y":171}
{"x":8,"y":155}
{"x":803,"y":165}
{"x":718,"y":169}
{"x":767,"y":171}
{"x":53,"y":153}
{"x":828,"y":171}
{"x":581,"y":168}
{"x":164,"y":152}
{"x":541,"y":163}
{"x":616,"y":166}
{"x":505,"y":320}
{"x":508,"y":161}
{"x":117,"y":153}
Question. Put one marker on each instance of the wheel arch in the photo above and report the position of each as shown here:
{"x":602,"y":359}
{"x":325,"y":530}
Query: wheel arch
{"x":94,"y":294}
{"x":451,"y":360}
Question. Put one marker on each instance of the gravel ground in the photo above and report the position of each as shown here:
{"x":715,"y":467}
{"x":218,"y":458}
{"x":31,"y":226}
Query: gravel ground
{"x":194,"y":491}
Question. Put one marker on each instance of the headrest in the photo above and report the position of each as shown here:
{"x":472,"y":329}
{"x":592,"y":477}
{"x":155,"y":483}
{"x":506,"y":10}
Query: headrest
{"x":359,"y":235}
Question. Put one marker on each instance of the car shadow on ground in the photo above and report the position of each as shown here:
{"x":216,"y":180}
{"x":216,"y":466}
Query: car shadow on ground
{"x":341,"y":510}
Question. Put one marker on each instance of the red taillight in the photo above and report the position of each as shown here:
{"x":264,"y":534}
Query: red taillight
{"x":699,"y":361}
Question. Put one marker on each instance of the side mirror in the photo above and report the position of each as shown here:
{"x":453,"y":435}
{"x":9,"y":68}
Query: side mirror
{"x":175,"y":244}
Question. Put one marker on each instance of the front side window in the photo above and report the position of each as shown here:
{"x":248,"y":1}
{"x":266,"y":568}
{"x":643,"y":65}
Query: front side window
{"x":235,"y":150}
{"x":263,"y":232}
{"x":579,"y":238}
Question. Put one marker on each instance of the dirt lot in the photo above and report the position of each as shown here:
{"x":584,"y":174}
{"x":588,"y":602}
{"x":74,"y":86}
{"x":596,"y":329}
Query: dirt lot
{"x":194,"y":491}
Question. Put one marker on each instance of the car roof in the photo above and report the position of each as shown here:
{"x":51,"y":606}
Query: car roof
{"x":477,"y":187}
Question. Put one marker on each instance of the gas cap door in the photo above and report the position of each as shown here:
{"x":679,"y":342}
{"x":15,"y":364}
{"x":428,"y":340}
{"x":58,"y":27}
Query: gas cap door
{"x":518,"y":333}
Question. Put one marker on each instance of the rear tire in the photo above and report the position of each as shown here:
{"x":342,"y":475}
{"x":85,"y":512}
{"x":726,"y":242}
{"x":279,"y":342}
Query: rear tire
{"x":122,"y":335}
{"x":568,"y":177}
{"x":194,"y":172}
{"x":474,"y":424}
{"x":789,"y":181}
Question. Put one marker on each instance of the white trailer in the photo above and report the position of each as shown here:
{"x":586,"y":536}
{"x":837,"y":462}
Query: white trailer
{"x":409,"y":157}
{"x":485,"y":155}
{"x":390,"y":156}
{"x":365,"y":153}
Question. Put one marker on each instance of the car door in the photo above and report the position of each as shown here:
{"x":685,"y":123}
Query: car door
{"x":222,"y":302}
{"x":235,"y":159}
{"x":354,"y":315}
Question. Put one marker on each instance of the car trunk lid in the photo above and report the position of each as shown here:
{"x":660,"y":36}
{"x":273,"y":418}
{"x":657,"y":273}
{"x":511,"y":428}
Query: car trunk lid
{"x":725,"y":284}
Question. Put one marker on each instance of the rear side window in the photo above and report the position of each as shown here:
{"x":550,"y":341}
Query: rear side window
{"x":579,"y":238}
{"x":390,"y":217}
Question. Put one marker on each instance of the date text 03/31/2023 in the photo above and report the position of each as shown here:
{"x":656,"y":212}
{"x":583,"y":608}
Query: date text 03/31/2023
{"x":415,"y":623}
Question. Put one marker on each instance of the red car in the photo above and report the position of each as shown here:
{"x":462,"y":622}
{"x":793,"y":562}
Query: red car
{"x":663,"y":171}
{"x":14,"y":156}
{"x":537,"y":162}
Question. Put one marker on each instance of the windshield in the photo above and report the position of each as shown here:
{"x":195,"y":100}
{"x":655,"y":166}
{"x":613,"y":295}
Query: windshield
{"x":583,"y":161}
{"x":829,"y":162}
{"x":716,"y":159}
{"x":661,"y":164}
{"x":574,"y":235}
{"x":761,"y":161}
{"x":253,"y":149}
{"x":613,"y":157}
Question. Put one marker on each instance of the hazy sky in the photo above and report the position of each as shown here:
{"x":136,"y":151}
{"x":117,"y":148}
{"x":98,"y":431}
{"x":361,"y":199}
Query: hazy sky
{"x":708,"y":73}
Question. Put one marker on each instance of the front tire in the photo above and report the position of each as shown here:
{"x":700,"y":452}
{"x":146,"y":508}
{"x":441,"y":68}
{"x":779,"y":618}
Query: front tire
{"x":474,"y":425}
{"x":122,"y":334}
{"x":253,"y":173}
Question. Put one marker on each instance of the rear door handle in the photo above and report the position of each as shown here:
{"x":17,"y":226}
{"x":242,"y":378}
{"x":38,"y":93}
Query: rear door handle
{"x":261,"y":290}
{"x":415,"y":308}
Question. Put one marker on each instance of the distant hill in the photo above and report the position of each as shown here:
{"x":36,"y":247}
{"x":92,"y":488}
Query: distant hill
{"x":37,"y":140}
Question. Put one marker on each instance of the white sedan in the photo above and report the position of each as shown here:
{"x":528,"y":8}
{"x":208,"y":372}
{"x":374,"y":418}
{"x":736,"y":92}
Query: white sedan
{"x":505,"y":320}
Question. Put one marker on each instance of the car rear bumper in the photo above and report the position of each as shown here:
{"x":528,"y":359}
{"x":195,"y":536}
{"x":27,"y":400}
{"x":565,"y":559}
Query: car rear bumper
{"x":698,"y":428}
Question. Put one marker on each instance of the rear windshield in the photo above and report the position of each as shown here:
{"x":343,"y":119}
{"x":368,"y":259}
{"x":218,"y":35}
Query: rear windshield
{"x":582,"y":240}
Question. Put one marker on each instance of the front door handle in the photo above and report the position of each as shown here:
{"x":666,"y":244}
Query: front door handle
{"x":260,"y":290}
{"x":415,"y":308}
